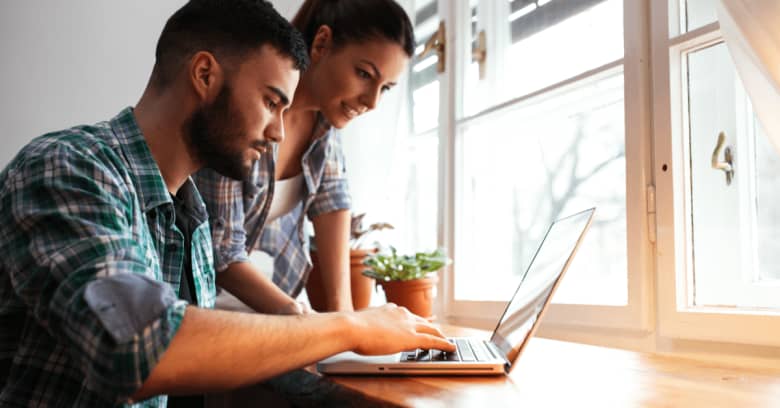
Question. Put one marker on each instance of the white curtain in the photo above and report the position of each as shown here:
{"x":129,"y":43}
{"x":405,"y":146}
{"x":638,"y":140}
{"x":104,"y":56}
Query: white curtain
{"x":751,"y":29}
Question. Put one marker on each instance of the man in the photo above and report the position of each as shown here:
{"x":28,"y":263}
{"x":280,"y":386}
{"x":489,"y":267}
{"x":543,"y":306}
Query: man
{"x":105,"y":247}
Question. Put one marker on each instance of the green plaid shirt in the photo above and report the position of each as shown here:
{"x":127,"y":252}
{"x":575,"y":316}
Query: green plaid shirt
{"x":90,"y":264}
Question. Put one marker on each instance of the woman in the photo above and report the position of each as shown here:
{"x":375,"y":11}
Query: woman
{"x":358,"y":50}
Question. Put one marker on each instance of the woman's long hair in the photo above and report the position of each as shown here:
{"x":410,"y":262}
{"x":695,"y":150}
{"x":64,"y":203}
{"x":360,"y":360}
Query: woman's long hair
{"x":356,"y":21}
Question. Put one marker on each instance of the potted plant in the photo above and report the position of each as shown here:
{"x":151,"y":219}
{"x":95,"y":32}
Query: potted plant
{"x":359,"y":248}
{"x":408,"y":280}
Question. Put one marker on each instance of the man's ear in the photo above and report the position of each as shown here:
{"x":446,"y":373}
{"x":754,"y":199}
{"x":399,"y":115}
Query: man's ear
{"x":322,"y":43}
{"x":205,"y":75}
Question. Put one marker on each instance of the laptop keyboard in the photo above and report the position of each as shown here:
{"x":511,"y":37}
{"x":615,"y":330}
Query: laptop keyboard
{"x":467,"y":350}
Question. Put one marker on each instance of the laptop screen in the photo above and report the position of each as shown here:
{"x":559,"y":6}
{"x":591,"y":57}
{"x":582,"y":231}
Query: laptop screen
{"x":540,"y":279}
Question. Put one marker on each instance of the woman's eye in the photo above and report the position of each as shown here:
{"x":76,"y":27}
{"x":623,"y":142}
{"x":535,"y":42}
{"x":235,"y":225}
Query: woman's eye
{"x":363,"y":74}
{"x":385,"y":89}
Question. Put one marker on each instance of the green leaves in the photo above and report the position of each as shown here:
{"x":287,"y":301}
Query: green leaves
{"x":386,"y":267}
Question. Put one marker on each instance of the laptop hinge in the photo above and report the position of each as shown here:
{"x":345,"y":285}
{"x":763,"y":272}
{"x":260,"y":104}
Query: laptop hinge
{"x":651,"y":217}
{"x":499,"y":354}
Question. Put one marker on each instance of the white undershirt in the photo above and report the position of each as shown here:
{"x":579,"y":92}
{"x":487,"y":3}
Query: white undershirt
{"x":287,"y":194}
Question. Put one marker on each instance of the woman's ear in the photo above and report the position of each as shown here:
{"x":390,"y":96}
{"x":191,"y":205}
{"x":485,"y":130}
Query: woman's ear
{"x":322,"y":43}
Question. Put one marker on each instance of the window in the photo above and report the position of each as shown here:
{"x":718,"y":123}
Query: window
{"x":717,"y":257}
{"x":555,"y":148}
{"x":732,"y":220}
{"x":418,"y":220}
{"x":538,"y":44}
{"x":689,"y":15}
{"x":527,"y":137}
{"x":595,"y":102}
{"x":530,"y":165}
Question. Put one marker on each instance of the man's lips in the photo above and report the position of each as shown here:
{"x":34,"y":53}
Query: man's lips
{"x":262,"y":146}
{"x":262,"y":149}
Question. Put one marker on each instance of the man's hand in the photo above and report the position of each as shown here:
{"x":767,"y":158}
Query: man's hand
{"x":218,"y":350}
{"x":391,"y":329}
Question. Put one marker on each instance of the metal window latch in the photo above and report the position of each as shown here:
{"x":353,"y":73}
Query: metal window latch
{"x":479,"y":54}
{"x":437,"y":42}
{"x":728,"y":155}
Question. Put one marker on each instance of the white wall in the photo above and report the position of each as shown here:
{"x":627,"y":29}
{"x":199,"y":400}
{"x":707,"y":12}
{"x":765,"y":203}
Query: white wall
{"x":287,"y":8}
{"x":66,"y":63}
{"x":72,"y":62}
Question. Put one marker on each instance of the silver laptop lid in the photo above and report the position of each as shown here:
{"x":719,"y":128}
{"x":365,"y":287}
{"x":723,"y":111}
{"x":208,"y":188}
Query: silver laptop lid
{"x":537,"y":285}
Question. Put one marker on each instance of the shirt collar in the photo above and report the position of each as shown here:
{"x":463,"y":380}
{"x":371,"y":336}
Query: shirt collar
{"x":149,"y":183}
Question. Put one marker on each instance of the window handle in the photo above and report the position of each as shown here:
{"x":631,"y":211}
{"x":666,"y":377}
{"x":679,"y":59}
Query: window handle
{"x":479,"y":54}
{"x":728,"y":155}
{"x":437,"y":42}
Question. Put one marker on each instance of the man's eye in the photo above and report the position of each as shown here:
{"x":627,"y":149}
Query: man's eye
{"x":385,"y":88}
{"x":272,"y":105}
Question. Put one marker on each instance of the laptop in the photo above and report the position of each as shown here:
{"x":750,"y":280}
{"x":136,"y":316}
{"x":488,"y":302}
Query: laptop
{"x":475,"y":356}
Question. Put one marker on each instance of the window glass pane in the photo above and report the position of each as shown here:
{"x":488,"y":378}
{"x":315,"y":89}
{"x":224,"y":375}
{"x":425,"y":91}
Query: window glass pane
{"x":768,"y":169}
{"x":424,"y":81}
{"x":418,"y":215}
{"x":521,"y":169}
{"x":545,"y":42}
{"x":733,"y":224}
{"x":699,"y":13}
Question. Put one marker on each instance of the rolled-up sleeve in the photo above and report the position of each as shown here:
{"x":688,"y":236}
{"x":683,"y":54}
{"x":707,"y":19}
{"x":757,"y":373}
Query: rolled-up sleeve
{"x":224,"y":200}
{"x":74,"y":258}
{"x":333,"y":192}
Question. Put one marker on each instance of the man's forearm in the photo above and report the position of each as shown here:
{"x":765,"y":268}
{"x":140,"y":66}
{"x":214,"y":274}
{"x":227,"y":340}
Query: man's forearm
{"x":331,"y":233}
{"x":219,"y":350}
{"x":248,"y":283}
{"x":216,"y":350}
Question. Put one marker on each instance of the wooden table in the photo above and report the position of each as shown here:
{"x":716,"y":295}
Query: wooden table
{"x":548,"y":374}
{"x":552,"y":373}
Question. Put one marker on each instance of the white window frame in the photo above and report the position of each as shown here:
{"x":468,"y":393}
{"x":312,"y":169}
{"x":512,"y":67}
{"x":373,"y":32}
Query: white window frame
{"x":637,"y":315}
{"x":676,"y":319}
{"x":658,"y":276}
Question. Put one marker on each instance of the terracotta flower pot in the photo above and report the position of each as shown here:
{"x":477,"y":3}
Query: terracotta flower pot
{"x":361,"y":286}
{"x":416,"y":295}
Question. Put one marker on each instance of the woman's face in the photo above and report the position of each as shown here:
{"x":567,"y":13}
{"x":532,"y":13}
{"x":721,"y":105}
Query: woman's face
{"x":349,"y":80}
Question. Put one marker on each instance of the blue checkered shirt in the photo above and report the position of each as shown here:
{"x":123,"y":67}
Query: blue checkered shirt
{"x":90,"y":264}
{"x":238,"y":210}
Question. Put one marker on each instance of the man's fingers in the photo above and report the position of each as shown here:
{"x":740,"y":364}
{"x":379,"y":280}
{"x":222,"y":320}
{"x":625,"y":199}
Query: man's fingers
{"x":438,"y":343}
{"x":431,"y":333}
{"x":426,"y":327}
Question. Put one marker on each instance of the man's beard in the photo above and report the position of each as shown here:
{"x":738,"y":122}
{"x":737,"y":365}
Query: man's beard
{"x":210,"y":132}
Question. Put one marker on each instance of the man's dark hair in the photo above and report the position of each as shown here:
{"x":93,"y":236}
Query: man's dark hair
{"x":228,"y":29}
{"x":356,"y":21}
